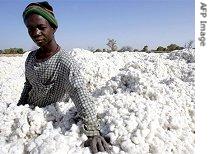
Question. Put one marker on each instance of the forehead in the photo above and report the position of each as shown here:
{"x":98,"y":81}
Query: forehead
{"x":35,"y":19}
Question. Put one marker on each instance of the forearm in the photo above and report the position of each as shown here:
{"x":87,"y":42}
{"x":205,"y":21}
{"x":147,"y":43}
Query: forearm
{"x":86,"y":110}
{"x":82,"y":100}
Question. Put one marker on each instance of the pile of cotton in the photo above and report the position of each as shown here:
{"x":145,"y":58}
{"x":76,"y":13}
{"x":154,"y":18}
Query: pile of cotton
{"x":145,"y":104}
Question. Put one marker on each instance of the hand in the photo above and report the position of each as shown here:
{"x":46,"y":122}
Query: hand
{"x":97,"y":144}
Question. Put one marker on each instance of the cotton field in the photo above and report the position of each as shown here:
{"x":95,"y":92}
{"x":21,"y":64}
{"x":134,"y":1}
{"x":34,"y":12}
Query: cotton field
{"x":145,"y":103}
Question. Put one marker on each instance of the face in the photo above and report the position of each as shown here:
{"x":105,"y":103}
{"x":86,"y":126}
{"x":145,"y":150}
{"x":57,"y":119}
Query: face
{"x":39,"y":29}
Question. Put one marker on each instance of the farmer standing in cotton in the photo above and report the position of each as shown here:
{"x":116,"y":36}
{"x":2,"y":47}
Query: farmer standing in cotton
{"x":51,"y":74}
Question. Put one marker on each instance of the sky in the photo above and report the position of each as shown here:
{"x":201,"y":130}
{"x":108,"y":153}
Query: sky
{"x":90,"y":23}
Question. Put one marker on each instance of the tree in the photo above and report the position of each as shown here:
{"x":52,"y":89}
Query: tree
{"x":112,"y":44}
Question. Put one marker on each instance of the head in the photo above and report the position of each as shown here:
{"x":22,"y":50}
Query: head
{"x":40,"y":22}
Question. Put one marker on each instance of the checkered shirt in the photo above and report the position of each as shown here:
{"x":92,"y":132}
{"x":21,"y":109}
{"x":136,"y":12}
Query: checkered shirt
{"x":53,"y":80}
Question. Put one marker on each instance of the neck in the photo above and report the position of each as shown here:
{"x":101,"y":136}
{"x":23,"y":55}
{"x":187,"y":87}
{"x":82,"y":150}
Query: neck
{"x":48,"y":50}
{"x":50,"y":47}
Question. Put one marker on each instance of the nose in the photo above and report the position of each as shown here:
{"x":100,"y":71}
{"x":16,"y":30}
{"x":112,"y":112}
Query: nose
{"x":35,"y":32}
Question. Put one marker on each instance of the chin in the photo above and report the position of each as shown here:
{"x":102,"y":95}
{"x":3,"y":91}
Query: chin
{"x":41,"y":44}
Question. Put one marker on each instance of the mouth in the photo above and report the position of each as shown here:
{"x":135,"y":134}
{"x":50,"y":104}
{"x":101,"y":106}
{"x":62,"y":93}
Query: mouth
{"x":38,"y":40}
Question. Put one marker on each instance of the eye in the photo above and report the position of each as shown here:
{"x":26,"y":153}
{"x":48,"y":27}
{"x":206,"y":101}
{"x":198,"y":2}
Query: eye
{"x":31,"y":29}
{"x":42,"y":27}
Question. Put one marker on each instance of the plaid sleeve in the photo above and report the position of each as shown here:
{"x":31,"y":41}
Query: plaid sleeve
{"x":27,"y":87}
{"x":24,"y":94}
{"x":83,"y":102}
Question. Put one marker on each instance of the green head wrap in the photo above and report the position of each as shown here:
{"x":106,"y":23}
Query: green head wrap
{"x":43,"y":9}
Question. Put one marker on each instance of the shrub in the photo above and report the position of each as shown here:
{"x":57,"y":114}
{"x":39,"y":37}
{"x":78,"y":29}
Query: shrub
{"x":20,"y":51}
{"x":91,"y":49}
{"x":126,"y":48}
{"x":173,"y":47}
{"x":145,"y":49}
{"x":98,"y":50}
{"x":160,"y":48}
{"x":13,"y":51}
{"x":135,"y":50}
{"x":180,"y":48}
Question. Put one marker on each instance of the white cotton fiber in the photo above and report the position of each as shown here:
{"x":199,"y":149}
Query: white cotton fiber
{"x":145,"y":104}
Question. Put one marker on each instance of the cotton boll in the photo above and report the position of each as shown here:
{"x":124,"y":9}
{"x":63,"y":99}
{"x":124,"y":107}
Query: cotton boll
{"x":128,"y":146}
{"x":131,"y":125}
{"x":112,"y":137}
{"x":152,"y":126}
{"x":118,"y":122}
{"x":159,"y":145}
{"x":30,"y":146}
{"x":36,"y":121}
{"x":25,"y":128}
{"x":48,"y":127}
{"x":123,"y":111}
{"x":122,"y":131}
{"x":83,"y":137}
{"x":17,"y":148}
{"x":62,"y":149}
{"x":61,"y":144}
{"x":135,"y":140}
{"x":48,"y":146}
{"x":112,"y":127}
{"x":85,"y":150}
{"x":115,"y":149}
{"x":153,"y":149}
{"x":189,"y":147}
{"x":114,"y":111}
{"x":145,"y":132}
{"x":122,"y":152}
{"x":74,"y":129}
{"x":3,"y":150}
{"x":17,"y":126}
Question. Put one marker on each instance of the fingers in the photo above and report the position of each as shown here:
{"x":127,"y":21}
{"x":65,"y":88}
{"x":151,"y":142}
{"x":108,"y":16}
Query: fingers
{"x":105,"y":145}
{"x":85,"y":144}
{"x":93,"y":146}
{"x":97,"y":144}
{"x":100,"y":145}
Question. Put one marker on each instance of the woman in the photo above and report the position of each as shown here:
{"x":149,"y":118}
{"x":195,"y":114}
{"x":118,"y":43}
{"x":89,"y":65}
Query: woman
{"x":52,"y":74}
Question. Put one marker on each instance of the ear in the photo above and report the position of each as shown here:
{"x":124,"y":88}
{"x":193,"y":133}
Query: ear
{"x":54,"y":30}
